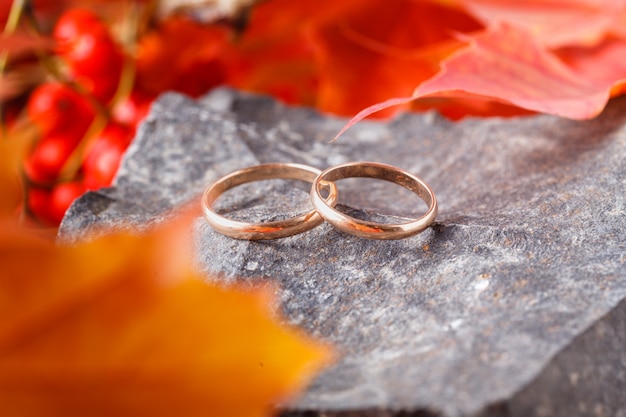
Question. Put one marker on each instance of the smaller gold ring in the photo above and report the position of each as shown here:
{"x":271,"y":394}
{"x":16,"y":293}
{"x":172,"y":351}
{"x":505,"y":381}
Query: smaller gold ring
{"x":268,"y":230}
{"x":367,"y":229}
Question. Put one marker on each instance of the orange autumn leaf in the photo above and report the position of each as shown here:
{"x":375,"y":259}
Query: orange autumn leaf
{"x":283,"y":68}
{"x":368,"y":52}
{"x":123,"y":326}
{"x":272,"y":20}
{"x":13,"y":149}
{"x":275,"y":55}
{"x":12,"y":152}
{"x":555,"y":23}
{"x":116,"y":327}
{"x":508,"y":65}
{"x":181,"y":55}
{"x":603,"y":63}
{"x":381,"y":49}
{"x":351,"y":53}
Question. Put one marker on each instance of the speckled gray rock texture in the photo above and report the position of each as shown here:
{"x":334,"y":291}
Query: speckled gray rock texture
{"x":512,"y":304}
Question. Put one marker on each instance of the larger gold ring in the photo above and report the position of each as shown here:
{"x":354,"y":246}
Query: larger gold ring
{"x":268,"y":230}
{"x":369,"y":229}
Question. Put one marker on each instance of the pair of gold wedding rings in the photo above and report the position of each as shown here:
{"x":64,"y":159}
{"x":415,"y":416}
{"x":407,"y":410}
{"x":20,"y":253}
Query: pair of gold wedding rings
{"x":323,"y":207}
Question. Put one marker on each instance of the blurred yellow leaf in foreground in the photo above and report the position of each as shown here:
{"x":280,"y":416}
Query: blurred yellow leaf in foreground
{"x":123,"y":326}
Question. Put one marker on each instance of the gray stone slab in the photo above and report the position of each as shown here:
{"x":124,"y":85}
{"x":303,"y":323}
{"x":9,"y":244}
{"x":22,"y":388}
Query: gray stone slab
{"x":512,"y":304}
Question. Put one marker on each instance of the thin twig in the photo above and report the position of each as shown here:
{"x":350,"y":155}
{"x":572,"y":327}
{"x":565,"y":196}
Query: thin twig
{"x":12,"y":21}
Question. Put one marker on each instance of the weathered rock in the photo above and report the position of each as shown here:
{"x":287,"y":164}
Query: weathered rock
{"x":512,"y":304}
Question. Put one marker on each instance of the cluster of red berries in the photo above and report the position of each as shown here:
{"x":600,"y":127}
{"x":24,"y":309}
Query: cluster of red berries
{"x":80,"y":120}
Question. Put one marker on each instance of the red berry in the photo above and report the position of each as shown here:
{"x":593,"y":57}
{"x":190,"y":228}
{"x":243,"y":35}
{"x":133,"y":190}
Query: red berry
{"x":39,"y":204}
{"x":82,"y":39}
{"x":44,"y":164}
{"x":103,"y":159}
{"x":55,"y":107}
{"x":101,"y":87}
{"x":49,"y":206}
{"x":92,"y":52}
{"x":62,"y":197}
{"x":132,"y":110}
{"x":76,"y":21}
{"x":94,"y":59}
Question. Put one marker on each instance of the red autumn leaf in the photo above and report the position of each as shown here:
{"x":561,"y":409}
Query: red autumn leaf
{"x":283,"y":68}
{"x":555,"y":23}
{"x":361,"y":63}
{"x":509,"y":65}
{"x":456,"y":108}
{"x":181,"y":55}
{"x":506,"y":64}
{"x":279,"y":19}
{"x":344,"y":61}
{"x":603,"y":63}
{"x":274,"y":54}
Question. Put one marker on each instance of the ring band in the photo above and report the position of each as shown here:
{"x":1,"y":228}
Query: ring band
{"x":269,"y":230}
{"x":368,"y":229}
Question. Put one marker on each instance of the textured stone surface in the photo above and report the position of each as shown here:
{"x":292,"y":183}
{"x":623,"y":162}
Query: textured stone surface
{"x":512,"y":304}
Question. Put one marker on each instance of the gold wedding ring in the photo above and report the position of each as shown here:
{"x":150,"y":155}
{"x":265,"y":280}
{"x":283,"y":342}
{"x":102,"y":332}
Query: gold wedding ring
{"x":367,"y":229}
{"x":268,"y":230}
